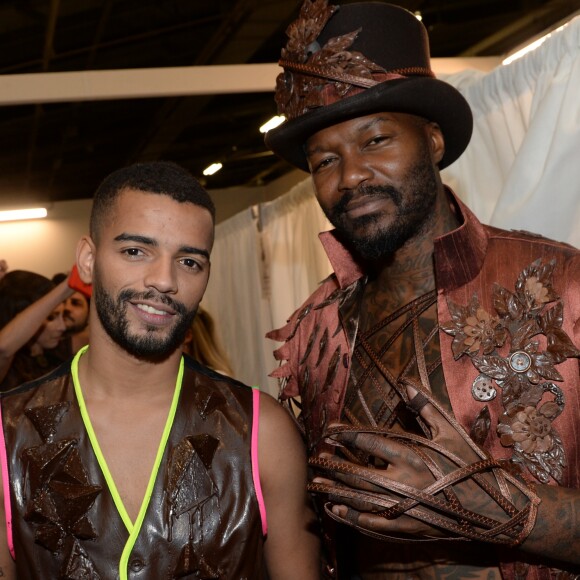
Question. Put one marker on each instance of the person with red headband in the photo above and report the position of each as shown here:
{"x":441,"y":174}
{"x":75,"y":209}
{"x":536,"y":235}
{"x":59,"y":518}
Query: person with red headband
{"x":437,"y":367}
{"x":76,"y":319}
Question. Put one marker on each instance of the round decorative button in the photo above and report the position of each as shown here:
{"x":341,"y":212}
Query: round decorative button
{"x":482,"y":389}
{"x":136,"y":565}
{"x":520,"y":361}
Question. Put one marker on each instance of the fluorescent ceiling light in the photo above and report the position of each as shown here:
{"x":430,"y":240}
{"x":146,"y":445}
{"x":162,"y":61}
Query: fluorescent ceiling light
{"x":272,"y":123}
{"x":213,"y":168}
{"x":23,"y":214}
{"x":526,"y":49}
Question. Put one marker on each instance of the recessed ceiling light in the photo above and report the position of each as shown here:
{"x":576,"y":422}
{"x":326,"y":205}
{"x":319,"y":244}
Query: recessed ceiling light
{"x":272,"y":123}
{"x":213,"y":168}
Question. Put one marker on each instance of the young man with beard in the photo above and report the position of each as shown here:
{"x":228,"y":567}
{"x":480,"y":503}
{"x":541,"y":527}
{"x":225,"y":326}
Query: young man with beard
{"x":135,"y":461}
{"x":436,"y":367}
{"x":76,"y":318}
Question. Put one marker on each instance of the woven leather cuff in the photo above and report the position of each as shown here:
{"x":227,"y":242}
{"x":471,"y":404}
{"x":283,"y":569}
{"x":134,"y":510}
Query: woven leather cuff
{"x":436,"y":505}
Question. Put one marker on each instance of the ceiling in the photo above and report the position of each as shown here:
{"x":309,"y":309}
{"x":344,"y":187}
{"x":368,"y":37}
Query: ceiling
{"x":60,"y":151}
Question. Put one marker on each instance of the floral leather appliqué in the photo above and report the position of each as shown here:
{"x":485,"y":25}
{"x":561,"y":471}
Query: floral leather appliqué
{"x":528,"y":320}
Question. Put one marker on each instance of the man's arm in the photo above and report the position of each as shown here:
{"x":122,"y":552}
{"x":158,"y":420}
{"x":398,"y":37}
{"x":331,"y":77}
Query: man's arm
{"x":25,"y":324}
{"x":556,"y":530}
{"x":7,"y":565}
{"x":292,"y":544}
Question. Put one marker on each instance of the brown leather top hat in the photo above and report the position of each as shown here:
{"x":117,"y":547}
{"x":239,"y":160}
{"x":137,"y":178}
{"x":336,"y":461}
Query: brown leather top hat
{"x":348,"y":61}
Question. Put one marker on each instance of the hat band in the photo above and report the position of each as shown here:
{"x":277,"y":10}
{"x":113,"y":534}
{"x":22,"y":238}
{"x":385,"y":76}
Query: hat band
{"x":336,"y":85}
{"x":357,"y":81}
{"x":326,"y":73}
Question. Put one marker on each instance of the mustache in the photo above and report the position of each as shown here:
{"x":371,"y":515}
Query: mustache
{"x":127,"y":295}
{"x":368,"y":191}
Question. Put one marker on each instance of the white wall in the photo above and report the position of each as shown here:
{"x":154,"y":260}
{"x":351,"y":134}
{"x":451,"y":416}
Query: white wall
{"x":46,"y":246}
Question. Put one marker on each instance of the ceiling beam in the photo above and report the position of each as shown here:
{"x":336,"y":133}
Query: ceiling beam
{"x":46,"y":57}
{"x":543,"y":19}
{"x":98,"y":85}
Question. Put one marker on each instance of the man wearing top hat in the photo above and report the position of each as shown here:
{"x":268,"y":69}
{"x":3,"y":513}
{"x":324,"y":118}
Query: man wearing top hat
{"x":437,"y":368}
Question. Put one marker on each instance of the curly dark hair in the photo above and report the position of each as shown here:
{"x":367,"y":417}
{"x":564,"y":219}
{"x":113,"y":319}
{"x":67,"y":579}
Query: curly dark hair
{"x":162,"y":177}
{"x":18,"y":290}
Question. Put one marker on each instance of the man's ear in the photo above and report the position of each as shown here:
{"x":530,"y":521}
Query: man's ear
{"x":86,"y":259}
{"x":437,"y":142}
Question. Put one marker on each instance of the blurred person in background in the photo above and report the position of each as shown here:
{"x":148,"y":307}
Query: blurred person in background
{"x":31,"y":326}
{"x":202,"y":344}
{"x":76,"y":318}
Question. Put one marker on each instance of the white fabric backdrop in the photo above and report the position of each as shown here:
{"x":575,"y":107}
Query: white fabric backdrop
{"x":520,"y":171}
{"x":522,"y":167}
{"x":235,"y":299}
{"x":265,"y":262}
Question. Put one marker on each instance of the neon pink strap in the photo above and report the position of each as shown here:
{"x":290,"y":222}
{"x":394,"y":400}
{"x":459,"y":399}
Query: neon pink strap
{"x":255,"y":463}
{"x":6,"y":488}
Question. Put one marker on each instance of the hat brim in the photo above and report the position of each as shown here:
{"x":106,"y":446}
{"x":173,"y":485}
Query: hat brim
{"x":425,"y":97}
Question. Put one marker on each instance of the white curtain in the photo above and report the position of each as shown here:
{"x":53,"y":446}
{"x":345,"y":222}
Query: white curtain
{"x":294,"y":255}
{"x":522,"y":167}
{"x":265,"y":262}
{"x":236,"y":300}
{"x":520,"y":171}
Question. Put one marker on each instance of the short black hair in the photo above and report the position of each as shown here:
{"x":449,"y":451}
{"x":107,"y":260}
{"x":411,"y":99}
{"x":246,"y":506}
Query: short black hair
{"x":162,"y":177}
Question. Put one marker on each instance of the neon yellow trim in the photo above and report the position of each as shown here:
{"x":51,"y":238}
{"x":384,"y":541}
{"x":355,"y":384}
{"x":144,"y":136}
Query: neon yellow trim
{"x":133,"y":529}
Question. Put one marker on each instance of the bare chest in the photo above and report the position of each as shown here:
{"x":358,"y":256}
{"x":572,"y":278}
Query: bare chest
{"x":129,"y":440}
{"x":392,"y":352}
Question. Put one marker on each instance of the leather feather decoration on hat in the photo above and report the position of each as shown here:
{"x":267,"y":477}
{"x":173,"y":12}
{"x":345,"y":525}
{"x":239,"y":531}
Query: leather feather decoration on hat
{"x":308,"y":67}
{"x":359,"y":59}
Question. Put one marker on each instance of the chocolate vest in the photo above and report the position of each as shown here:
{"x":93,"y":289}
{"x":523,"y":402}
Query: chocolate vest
{"x":203,"y":518}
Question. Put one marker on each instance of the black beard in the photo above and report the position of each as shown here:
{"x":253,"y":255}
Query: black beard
{"x":113,"y":316}
{"x":71,"y":330}
{"x":412,"y":214}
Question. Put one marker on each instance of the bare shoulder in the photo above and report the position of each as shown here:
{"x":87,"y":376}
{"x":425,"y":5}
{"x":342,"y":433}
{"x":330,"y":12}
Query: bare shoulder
{"x":278,"y":431}
{"x":274,"y":415}
{"x":292,"y":545}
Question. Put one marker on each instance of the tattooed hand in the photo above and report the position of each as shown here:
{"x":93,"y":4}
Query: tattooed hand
{"x":423,"y":488}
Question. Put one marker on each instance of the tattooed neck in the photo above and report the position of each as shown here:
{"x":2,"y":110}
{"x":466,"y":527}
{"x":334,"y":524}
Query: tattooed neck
{"x":409,"y":273}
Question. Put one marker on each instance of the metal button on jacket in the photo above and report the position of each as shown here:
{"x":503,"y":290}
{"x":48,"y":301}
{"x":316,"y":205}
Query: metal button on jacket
{"x":483,"y":389}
